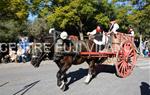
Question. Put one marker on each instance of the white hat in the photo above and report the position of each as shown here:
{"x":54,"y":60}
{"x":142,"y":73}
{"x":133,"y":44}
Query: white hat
{"x":50,"y":30}
{"x":63,"y":35}
{"x":131,"y":29}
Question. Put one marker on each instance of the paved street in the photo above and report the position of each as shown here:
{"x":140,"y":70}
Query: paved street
{"x":24,"y":79}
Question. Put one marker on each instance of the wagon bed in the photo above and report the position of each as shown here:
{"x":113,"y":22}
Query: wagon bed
{"x":122,"y":50}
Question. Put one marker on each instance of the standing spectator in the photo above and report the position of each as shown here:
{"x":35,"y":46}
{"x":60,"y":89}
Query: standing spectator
{"x":11,"y":57}
{"x":23,"y":49}
{"x":146,"y":51}
{"x":137,"y":42}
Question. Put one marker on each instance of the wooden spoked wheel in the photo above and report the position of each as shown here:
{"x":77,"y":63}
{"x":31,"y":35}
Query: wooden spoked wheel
{"x":126,"y":59}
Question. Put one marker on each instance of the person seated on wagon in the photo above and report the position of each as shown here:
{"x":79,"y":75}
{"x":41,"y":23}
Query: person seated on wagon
{"x":99,"y":35}
{"x":113,"y":27}
{"x":131,"y":32}
{"x":112,"y":32}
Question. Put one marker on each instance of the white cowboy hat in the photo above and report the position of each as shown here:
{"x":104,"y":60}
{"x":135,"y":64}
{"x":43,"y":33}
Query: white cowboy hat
{"x":63,"y":35}
{"x":50,"y":30}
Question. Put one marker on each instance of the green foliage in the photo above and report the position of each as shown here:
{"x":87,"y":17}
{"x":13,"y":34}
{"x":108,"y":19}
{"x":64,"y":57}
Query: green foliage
{"x":144,"y":24}
{"x":38,"y":26}
{"x":104,"y":20}
{"x":14,"y":9}
{"x":72,"y":15}
{"x":13,"y":16}
{"x":134,"y":13}
{"x":9,"y":30}
{"x":81,"y":15}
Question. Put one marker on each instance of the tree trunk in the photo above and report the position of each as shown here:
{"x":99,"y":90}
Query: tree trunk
{"x":81,"y":36}
{"x":81,"y":33}
{"x":141,"y":45}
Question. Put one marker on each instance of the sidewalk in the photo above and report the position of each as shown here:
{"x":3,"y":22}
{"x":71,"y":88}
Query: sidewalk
{"x":3,"y":65}
{"x":143,"y":61}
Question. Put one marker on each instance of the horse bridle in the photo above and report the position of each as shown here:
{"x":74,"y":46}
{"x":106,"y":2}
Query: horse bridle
{"x":40,"y":58}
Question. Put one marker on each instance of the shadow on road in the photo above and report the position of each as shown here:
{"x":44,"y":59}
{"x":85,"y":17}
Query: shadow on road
{"x":4,"y":84}
{"x":26,"y":88}
{"x":145,"y":88}
{"x":105,"y":68}
{"x":80,"y":73}
{"x":76,"y":75}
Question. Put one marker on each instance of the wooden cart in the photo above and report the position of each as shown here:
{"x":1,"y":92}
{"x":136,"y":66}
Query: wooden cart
{"x":122,"y":52}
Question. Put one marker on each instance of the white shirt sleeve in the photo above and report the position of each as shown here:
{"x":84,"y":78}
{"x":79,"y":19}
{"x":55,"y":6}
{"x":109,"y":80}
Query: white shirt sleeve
{"x":93,"y":32}
{"x":132,"y":33}
{"x":115,"y":28}
{"x":101,"y":42}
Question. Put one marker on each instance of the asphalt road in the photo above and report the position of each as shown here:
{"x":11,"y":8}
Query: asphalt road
{"x":24,"y":79}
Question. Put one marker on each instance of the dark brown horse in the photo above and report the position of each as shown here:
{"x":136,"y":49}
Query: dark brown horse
{"x":67,"y":54}
{"x":38,"y":50}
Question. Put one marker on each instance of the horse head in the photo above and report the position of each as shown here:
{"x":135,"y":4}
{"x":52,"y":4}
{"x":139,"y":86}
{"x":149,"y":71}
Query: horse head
{"x":37,"y":54}
{"x":42,"y":46}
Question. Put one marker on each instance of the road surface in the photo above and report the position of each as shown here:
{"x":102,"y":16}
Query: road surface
{"x":24,"y":79}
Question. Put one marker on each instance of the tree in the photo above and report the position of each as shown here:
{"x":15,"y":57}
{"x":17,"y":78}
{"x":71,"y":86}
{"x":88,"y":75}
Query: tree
{"x":139,"y":18}
{"x":38,"y":26}
{"x":13,"y":17}
{"x":80,"y":16}
{"x":9,"y":30}
{"x":75,"y":16}
{"x":14,"y":9}
{"x":135,"y":13}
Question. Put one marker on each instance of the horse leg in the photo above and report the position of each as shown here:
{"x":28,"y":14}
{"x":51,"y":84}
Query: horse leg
{"x":91,"y":71}
{"x":58,"y":78}
{"x":58,"y":75}
{"x":61,"y":76}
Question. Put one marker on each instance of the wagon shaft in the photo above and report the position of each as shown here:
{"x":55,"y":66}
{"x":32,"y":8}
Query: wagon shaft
{"x":98,"y":54}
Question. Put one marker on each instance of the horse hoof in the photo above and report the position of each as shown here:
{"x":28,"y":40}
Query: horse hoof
{"x":63,"y":88}
{"x":59,"y":83}
{"x":62,"y":85}
{"x":88,"y":79}
{"x":36,"y":66}
{"x":86,"y":83}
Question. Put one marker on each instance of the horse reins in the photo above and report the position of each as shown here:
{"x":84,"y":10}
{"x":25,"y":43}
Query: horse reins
{"x":50,"y":48}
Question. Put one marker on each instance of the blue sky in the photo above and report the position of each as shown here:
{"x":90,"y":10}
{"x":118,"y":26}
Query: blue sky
{"x":32,"y":17}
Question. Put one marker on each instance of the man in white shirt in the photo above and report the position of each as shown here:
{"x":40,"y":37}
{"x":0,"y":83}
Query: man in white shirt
{"x":112,"y":32}
{"x":99,"y":35}
{"x":131,"y":32}
{"x":113,"y":27}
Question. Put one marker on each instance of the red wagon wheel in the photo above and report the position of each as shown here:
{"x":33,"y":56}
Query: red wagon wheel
{"x":126,"y":59}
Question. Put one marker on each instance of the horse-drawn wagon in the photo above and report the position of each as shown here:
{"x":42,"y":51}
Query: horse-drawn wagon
{"x":121,"y":53}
